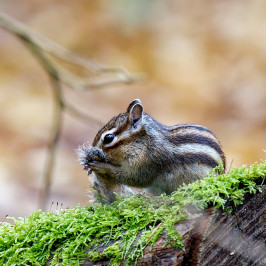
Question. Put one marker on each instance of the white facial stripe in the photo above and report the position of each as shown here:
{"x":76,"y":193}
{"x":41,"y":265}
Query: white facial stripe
{"x":104,"y":134}
{"x":116,"y":139}
{"x":124,"y":135}
{"x":198,"y":148}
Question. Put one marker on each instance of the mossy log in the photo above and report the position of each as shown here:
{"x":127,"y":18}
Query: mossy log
{"x":181,"y":228}
{"x":213,"y":237}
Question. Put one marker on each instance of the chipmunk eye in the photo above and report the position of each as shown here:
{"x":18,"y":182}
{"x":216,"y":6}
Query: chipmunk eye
{"x":108,"y":138}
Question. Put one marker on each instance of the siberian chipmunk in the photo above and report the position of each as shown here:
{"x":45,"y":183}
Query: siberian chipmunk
{"x":134,"y":150}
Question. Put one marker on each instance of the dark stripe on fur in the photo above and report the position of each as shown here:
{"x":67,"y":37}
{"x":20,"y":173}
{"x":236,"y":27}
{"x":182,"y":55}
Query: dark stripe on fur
{"x":198,"y":127}
{"x":200,"y":158}
{"x":197,"y":139}
{"x":137,"y":136}
{"x":119,"y":120}
{"x":122,"y":128}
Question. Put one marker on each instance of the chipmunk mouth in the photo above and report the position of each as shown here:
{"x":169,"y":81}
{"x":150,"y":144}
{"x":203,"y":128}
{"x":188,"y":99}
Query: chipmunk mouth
{"x":88,"y":155}
{"x":85,"y":161}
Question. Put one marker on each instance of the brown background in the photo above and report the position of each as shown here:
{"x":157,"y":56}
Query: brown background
{"x":205,"y":62}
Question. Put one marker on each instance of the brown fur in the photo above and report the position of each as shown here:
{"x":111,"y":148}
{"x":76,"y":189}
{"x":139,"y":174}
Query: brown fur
{"x":146,"y":154}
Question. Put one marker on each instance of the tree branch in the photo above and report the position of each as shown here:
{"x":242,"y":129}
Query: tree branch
{"x":107,"y":75}
{"x":41,"y":47}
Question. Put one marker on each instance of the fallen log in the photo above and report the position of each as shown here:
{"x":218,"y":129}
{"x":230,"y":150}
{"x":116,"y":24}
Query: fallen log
{"x":213,"y":237}
{"x":192,"y":226}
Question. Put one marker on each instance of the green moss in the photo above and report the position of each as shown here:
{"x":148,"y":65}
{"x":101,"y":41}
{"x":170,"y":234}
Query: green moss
{"x":64,"y":237}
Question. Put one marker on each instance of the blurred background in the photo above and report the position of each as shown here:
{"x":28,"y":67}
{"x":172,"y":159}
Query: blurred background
{"x":205,"y":63}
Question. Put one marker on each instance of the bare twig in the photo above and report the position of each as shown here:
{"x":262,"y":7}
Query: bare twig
{"x":108,"y":75}
{"x":84,"y":117}
{"x":55,"y":135}
{"x":58,"y":75}
{"x":57,"y":118}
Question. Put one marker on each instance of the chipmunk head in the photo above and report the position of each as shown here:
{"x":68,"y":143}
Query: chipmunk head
{"x":120,"y":141}
{"x":121,"y":127}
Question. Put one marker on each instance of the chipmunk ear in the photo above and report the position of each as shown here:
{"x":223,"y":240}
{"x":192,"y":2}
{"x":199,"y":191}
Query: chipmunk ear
{"x":135,"y":111}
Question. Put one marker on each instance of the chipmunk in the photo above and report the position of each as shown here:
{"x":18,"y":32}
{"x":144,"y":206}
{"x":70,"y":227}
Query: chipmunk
{"x":134,"y":150}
